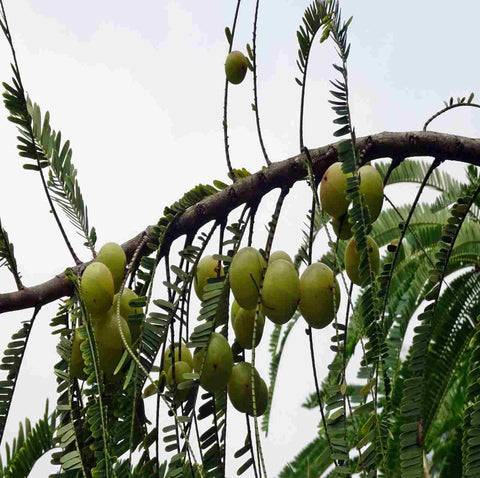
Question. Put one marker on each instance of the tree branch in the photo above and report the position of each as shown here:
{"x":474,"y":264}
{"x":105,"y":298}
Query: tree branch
{"x":252,"y":189}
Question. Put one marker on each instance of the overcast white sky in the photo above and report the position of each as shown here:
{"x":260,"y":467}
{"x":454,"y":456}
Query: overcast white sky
{"x":138,"y":89}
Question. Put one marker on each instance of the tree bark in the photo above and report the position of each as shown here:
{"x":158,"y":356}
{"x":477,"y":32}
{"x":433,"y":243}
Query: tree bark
{"x":250,"y":191}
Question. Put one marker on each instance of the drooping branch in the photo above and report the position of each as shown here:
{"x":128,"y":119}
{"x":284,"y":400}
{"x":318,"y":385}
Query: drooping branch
{"x":253,"y":188}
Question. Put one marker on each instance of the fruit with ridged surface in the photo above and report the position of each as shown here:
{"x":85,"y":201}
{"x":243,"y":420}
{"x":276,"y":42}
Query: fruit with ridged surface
{"x":281,"y":291}
{"x":279,"y":255}
{"x":77,"y":364}
{"x":181,"y":354}
{"x":240,"y":389}
{"x":113,"y":256}
{"x":126,"y":310}
{"x":236,"y":67}
{"x":97,"y":288}
{"x":243,"y":327}
{"x":333,"y":191}
{"x":109,"y":342}
{"x":342,"y":227}
{"x":352,"y":260}
{"x":245,"y":275}
{"x":207,"y":268}
{"x":218,"y":363}
{"x":319,"y":295}
{"x":371,"y":187}
{"x":180,"y":368}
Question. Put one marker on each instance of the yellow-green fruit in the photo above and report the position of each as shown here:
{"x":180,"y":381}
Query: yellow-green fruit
{"x":352,"y":260}
{"x":243,"y":327}
{"x":77,"y":364}
{"x":180,"y":368}
{"x":333,"y":191}
{"x":236,"y":67}
{"x":126,"y":311}
{"x":342,"y":227}
{"x":218,"y":363}
{"x":182,"y":354}
{"x":207,"y":268}
{"x":279,"y":255}
{"x":109,"y":341}
{"x":317,"y":286}
{"x":281,"y":291}
{"x":371,"y":186}
{"x":233,"y":312}
{"x":97,"y":288}
{"x":245,"y":276}
{"x":113,"y":256}
{"x":240,"y":389}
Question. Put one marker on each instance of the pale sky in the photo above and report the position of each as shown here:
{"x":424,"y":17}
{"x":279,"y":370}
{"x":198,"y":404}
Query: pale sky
{"x":138,"y":89}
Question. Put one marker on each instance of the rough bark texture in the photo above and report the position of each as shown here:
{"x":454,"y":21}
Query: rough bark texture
{"x":252,"y":189}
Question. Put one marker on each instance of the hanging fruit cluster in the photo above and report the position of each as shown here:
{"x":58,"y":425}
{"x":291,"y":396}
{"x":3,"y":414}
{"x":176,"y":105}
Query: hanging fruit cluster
{"x":100,"y":284}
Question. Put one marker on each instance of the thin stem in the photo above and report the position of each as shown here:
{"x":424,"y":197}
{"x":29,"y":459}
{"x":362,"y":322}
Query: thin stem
{"x":225,"y":102}
{"x":448,"y":108}
{"x":405,"y":226}
{"x":255,"y":98}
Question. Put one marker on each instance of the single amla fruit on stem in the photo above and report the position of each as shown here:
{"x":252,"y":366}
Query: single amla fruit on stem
{"x":240,"y":389}
{"x":218,"y":363}
{"x":207,"y":268}
{"x":281,"y":291}
{"x":245,"y":276}
{"x":77,"y":364}
{"x":182,"y":354}
{"x":342,"y":227}
{"x":97,"y":288}
{"x":109,"y":342}
{"x":352,"y":260}
{"x":180,"y":368}
{"x":333,"y":194}
{"x":126,"y":310}
{"x":319,"y":295}
{"x":113,"y":256}
{"x":236,"y":67}
{"x":279,"y":255}
{"x":243,"y":327}
{"x":371,"y":187}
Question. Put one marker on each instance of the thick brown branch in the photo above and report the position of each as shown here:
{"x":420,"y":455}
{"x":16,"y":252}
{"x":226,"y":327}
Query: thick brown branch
{"x":253,"y":188}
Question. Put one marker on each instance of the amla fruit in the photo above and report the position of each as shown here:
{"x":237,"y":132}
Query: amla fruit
{"x":240,"y":389}
{"x":332,"y":191}
{"x":318,"y":287}
{"x":279,"y":255}
{"x":113,"y":256}
{"x":352,"y":260}
{"x":371,"y":186}
{"x":236,"y":67}
{"x":281,"y":291}
{"x":218,"y":363}
{"x":97,"y":288}
{"x":207,"y":268}
{"x":126,"y":310}
{"x":245,"y":276}
{"x":181,"y":354}
{"x":342,"y":227}
{"x":180,"y":368}
{"x":77,"y":364}
{"x":243,"y":327}
{"x":109,"y":341}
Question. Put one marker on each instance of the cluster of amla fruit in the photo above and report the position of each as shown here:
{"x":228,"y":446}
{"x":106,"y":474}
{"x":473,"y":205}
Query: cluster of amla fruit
{"x":100,"y":284}
{"x":316,"y":293}
{"x":333,"y":196}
